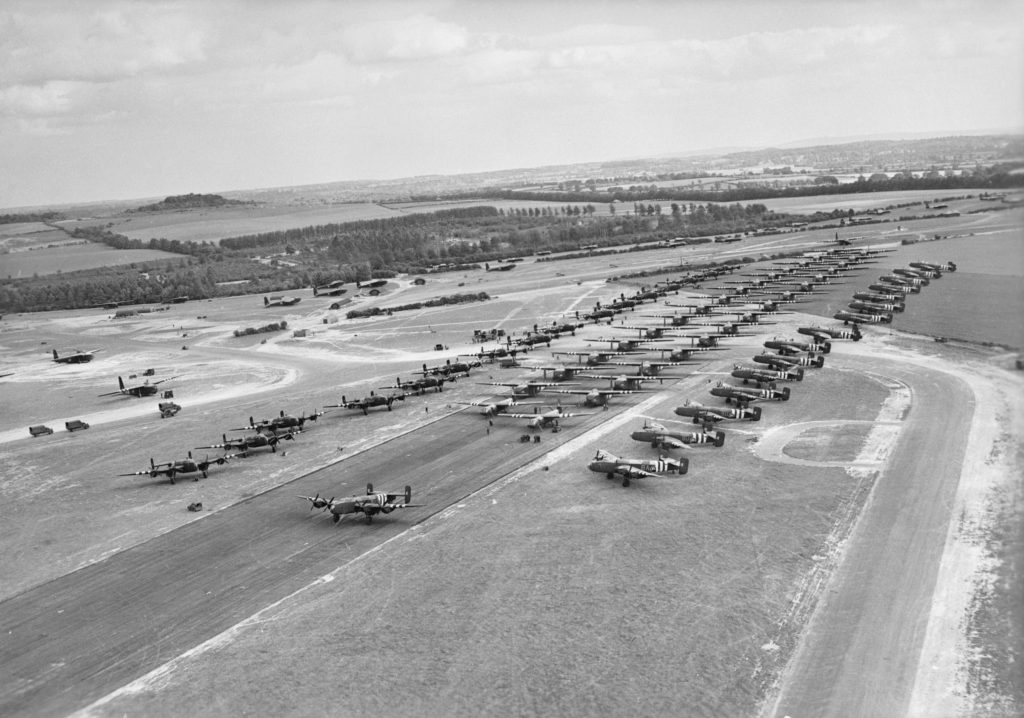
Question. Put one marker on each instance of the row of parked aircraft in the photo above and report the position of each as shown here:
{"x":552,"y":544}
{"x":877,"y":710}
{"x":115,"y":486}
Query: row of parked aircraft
{"x":888,"y":296}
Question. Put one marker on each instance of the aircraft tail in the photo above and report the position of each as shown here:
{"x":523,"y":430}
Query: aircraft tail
{"x":826,"y":347}
{"x":120,"y":383}
{"x":719,"y":438}
{"x":756,"y":414}
{"x":408,"y":494}
{"x":265,"y":301}
{"x":683,"y":466}
{"x":785,"y":393}
{"x":369,"y":489}
{"x":819,"y":361}
{"x":55,"y":355}
{"x":798,"y":373}
{"x":314,"y":290}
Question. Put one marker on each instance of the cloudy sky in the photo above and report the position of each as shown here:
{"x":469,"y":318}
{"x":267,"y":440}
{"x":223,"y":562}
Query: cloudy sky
{"x":103,"y":99}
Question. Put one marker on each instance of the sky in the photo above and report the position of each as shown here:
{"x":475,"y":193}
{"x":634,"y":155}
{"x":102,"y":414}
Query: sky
{"x":109,"y":99}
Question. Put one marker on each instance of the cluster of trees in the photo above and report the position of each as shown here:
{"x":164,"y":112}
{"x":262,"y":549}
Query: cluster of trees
{"x":30,"y":217}
{"x":996,"y":177}
{"x":188,"y":201}
{"x":249,"y":331}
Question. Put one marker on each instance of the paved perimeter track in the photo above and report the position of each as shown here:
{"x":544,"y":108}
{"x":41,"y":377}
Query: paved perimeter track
{"x":861,"y":650}
{"x":73,"y":640}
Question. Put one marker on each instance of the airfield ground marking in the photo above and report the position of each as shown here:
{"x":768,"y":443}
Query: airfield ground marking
{"x":152,"y":679}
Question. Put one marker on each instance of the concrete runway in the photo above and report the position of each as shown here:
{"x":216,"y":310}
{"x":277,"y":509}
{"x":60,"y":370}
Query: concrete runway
{"x":860,"y":652}
{"x":70,"y":641}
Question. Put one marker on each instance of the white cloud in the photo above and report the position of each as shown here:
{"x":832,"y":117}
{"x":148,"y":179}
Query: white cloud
{"x":418,"y":37}
{"x":50,"y":98}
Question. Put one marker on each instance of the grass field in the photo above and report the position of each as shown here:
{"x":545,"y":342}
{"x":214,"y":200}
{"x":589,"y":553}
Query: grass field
{"x":73,"y":257}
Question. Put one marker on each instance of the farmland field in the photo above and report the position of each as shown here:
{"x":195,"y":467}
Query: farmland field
{"x":213,"y":224}
{"x":73,"y":257}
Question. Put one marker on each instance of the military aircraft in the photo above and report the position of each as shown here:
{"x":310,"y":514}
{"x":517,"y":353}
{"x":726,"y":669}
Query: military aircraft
{"x":650,"y":368}
{"x":598,"y":314}
{"x":920,"y":277}
{"x":872,"y":308}
{"x":370,"y":504}
{"x":821,"y":333}
{"x":278,"y":301}
{"x":267,"y":438}
{"x":685,"y":355}
{"x":858,"y":318}
{"x":911,"y":281}
{"x":139,"y":390}
{"x":707,"y":415}
{"x":660,"y":437}
{"x":892,"y":287}
{"x":283,"y":421}
{"x":596,"y":358}
{"x":420,"y":386}
{"x":611,"y":465}
{"x":744,"y":395}
{"x":490,"y":408}
{"x":171,"y":469}
{"x":560,"y":373}
{"x":528,"y":388}
{"x":813,"y":360}
{"x":591,"y":397}
{"x":368,"y":402}
{"x":543,"y":419}
{"x":372,"y":284}
{"x":450,"y":368}
{"x":766,"y":376}
{"x":76,"y":358}
{"x":945,"y":267}
{"x":792,"y":346}
{"x":331,"y":289}
{"x":897,"y":300}
{"x":530,"y":340}
{"x":621,"y":381}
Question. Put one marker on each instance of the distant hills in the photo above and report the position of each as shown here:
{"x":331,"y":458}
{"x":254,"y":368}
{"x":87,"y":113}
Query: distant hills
{"x":861,"y":157}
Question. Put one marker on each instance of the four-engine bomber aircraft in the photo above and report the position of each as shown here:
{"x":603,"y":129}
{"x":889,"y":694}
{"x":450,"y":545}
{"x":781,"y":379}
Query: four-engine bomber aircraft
{"x":370,"y":504}
{"x":139,"y":390}
{"x":661,"y":438}
{"x":605,"y":462}
{"x":544,"y":419}
{"x":261,"y":439}
{"x":171,"y":469}
{"x":591,"y":397}
{"x":283,"y":421}
{"x":490,"y":408}
{"x":368,"y":402}
{"x":79,"y":357}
